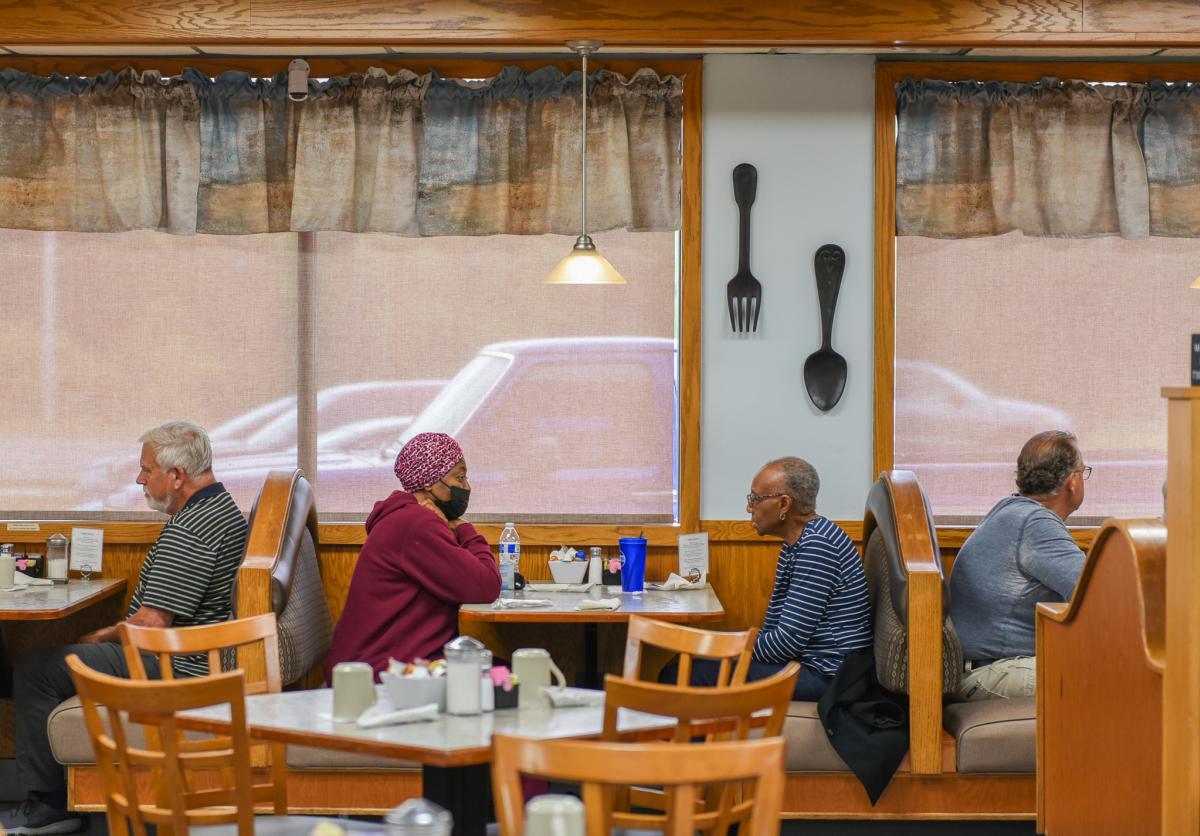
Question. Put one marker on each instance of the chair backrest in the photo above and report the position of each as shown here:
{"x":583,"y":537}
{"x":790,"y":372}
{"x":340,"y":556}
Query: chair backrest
{"x":732,"y":649}
{"x":685,"y":772}
{"x":154,"y":704}
{"x":697,"y":709}
{"x":220,"y":642}
{"x":210,"y":639}
{"x":281,"y":574}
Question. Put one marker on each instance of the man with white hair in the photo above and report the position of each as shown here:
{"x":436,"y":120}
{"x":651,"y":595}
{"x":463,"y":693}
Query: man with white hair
{"x":186,"y":580}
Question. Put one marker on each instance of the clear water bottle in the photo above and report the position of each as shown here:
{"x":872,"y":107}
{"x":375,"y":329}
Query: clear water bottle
{"x":510,"y":555}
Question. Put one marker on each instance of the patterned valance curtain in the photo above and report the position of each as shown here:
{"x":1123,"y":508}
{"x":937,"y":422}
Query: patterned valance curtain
{"x":406,"y":154}
{"x":1172,"y":141}
{"x":1056,"y":158}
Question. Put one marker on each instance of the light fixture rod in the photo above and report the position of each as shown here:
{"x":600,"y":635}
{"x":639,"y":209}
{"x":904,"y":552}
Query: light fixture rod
{"x":584,"y":53}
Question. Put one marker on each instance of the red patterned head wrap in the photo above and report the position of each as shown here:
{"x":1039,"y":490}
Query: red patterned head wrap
{"x":425,"y":459}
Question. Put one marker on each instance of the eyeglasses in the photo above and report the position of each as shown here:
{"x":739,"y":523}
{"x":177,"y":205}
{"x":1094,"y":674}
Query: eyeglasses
{"x":754,"y":499}
{"x":1086,"y":471}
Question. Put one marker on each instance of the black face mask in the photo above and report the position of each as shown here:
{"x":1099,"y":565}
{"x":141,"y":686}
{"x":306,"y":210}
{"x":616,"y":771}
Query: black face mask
{"x":456,"y":505}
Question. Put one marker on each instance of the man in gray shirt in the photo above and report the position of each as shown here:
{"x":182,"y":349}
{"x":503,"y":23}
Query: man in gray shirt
{"x":1019,"y":555}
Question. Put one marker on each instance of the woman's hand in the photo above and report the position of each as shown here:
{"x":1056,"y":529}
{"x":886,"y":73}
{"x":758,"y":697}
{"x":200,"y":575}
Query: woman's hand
{"x":426,"y":501}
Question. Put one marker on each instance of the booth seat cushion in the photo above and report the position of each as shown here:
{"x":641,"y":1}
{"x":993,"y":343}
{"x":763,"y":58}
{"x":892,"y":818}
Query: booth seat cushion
{"x":312,"y":757}
{"x":69,"y":739}
{"x":806,"y":747}
{"x":994,"y":735}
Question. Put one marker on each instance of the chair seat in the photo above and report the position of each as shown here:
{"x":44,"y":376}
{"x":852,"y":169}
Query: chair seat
{"x":994,"y":735}
{"x":806,"y":746}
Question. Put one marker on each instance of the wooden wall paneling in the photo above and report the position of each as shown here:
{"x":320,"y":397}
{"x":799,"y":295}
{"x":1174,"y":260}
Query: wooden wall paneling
{"x":1181,"y":682}
{"x":654,"y":22}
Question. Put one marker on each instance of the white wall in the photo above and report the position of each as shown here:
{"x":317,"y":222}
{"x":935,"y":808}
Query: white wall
{"x":807,"y":124}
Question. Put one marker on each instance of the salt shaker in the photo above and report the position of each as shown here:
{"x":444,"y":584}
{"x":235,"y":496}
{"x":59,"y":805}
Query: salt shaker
{"x":56,"y":558}
{"x":419,"y":817}
{"x":595,"y":573}
{"x":464,"y":669}
{"x":487,"y":691}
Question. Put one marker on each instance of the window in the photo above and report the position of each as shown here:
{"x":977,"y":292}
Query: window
{"x":998,"y":338}
{"x":564,"y":398}
{"x":989,"y":340}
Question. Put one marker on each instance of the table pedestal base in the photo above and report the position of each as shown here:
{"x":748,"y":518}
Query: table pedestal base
{"x":466,"y":791}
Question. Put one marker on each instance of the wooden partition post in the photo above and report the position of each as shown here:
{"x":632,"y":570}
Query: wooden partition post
{"x":1181,"y":680}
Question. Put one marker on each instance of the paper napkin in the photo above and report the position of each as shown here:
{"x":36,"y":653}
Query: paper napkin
{"x":382,"y":713}
{"x":674,"y":581}
{"x":571,"y":697}
{"x":519,"y":603}
{"x":599,"y":604}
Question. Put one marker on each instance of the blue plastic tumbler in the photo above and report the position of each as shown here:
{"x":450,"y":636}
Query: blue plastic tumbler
{"x":633,"y":568}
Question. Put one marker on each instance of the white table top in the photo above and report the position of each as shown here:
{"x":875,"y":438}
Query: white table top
{"x":675,"y":605}
{"x":303,"y":717}
{"x":33,"y":603}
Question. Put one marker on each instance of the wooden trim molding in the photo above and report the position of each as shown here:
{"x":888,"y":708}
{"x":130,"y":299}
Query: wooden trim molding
{"x":886,"y":24}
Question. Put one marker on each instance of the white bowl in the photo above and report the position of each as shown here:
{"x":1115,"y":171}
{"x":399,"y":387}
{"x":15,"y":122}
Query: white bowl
{"x":409,"y":692}
{"x":568,"y":571}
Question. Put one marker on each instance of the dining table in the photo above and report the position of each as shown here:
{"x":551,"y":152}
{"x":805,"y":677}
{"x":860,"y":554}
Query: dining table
{"x":455,"y":752}
{"x":563,"y":602}
{"x":54,"y":601}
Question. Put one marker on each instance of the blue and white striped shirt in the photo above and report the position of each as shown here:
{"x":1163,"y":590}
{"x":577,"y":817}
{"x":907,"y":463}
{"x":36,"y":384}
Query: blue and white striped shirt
{"x":820,"y":609}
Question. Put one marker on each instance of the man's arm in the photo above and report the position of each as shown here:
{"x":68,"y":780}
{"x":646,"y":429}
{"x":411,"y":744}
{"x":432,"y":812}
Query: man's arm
{"x":1049,"y":555}
{"x":144,"y":617}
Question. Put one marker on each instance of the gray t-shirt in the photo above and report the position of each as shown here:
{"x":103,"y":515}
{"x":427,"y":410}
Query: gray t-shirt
{"x":1021,"y":554}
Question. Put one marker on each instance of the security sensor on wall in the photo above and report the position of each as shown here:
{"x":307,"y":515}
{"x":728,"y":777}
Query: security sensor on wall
{"x":298,"y":80}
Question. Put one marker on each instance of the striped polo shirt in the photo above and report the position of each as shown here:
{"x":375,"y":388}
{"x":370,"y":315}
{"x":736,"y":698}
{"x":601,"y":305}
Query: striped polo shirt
{"x":190,"y":569}
{"x":819,"y":609}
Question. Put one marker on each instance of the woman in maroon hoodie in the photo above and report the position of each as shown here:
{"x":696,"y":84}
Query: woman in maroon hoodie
{"x":419,"y":563}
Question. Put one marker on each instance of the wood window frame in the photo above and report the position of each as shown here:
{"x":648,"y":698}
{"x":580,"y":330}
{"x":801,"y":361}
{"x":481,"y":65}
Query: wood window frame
{"x":887,"y":75}
{"x":689,"y":69}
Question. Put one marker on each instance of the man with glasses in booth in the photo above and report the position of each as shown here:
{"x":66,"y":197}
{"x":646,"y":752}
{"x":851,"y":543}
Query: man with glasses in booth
{"x":819,"y":610}
{"x":1019,"y":555}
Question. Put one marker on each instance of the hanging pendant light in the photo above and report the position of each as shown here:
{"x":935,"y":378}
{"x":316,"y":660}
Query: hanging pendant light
{"x":584,"y":264}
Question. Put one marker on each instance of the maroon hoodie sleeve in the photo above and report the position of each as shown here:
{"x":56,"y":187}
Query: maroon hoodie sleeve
{"x":455,"y":566}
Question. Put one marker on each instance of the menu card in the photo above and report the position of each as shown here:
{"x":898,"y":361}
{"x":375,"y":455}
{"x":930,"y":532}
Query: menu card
{"x":87,"y":549}
{"x":693,"y":555}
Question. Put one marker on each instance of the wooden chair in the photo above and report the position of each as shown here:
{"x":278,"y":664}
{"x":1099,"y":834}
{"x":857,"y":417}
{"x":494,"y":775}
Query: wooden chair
{"x":180,"y":761}
{"x":698,"y":709}
{"x":603,"y":768}
{"x":707,"y":714}
{"x":1101,"y":660}
{"x":732,"y":649}
{"x":216,"y":640}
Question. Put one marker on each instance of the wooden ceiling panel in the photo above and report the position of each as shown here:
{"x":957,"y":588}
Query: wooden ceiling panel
{"x":1141,"y":16}
{"x":123,"y":21}
{"x":663,"y":22}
